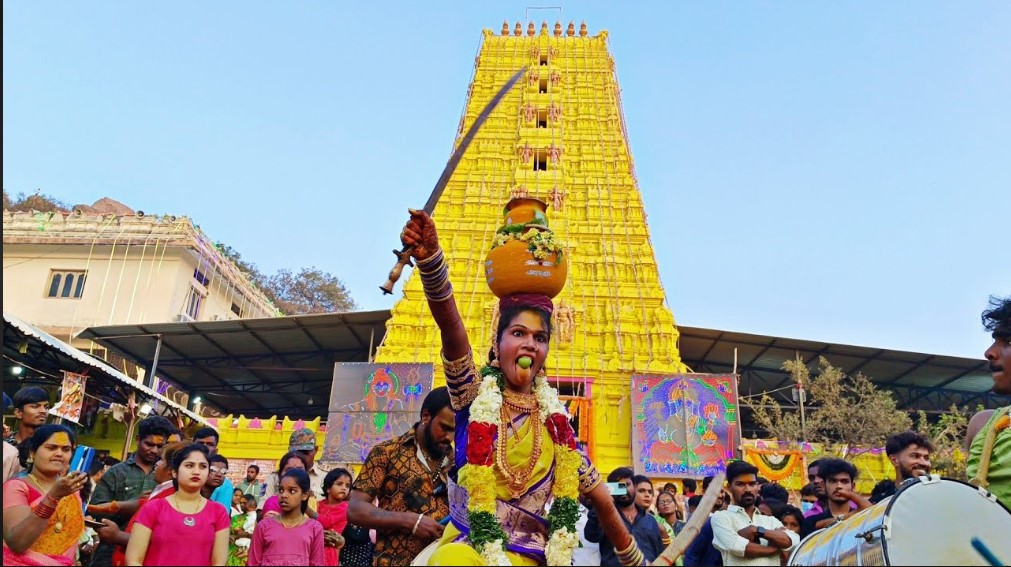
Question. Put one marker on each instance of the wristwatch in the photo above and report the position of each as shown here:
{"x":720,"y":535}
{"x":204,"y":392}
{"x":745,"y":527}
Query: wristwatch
{"x":759,"y":533}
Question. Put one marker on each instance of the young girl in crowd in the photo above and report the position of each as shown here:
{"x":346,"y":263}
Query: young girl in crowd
{"x":185,"y":528}
{"x":289,"y":461}
{"x":42,"y":515}
{"x":111,"y":534}
{"x":290,"y":538}
{"x":333,"y":512}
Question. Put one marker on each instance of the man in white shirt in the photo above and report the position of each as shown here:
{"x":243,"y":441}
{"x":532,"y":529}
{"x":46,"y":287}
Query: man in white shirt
{"x":741,"y":533}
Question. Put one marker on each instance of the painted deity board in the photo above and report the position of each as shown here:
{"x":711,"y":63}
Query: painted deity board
{"x":684,"y":425}
{"x":371,"y":403}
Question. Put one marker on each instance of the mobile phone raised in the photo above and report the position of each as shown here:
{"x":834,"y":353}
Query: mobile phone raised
{"x":617,"y":488}
{"x":81,"y":461}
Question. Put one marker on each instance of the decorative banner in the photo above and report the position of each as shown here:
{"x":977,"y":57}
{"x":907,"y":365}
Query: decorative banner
{"x":872,"y":463}
{"x":776,"y":465}
{"x":370,"y":403}
{"x":71,"y":397}
{"x":683,"y":425}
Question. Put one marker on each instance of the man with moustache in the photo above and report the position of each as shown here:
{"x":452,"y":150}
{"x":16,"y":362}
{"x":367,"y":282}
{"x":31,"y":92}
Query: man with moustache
{"x":116,"y":494}
{"x":742,"y":534}
{"x":31,"y":407}
{"x":989,"y":433}
{"x":840,"y":485}
{"x":644,"y":528}
{"x":407,"y":475}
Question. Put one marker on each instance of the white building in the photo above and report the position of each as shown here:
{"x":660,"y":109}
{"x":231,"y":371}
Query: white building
{"x":64,"y":272}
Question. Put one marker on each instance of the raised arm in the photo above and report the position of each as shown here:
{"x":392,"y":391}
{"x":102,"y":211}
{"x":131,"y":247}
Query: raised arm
{"x":420,"y":234}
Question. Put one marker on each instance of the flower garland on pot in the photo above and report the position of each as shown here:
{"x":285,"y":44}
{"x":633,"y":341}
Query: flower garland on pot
{"x":540,"y":241}
{"x":478,"y":475}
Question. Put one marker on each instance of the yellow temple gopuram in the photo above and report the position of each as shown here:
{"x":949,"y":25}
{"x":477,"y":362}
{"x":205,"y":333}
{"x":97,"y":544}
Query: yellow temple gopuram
{"x":560,"y":136}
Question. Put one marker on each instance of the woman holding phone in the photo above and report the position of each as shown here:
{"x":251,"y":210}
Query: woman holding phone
{"x":42,"y":513}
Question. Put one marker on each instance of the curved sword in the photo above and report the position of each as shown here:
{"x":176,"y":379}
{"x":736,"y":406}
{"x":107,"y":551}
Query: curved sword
{"x":404,"y":255}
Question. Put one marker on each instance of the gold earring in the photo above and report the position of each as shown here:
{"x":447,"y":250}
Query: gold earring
{"x":494,"y":362}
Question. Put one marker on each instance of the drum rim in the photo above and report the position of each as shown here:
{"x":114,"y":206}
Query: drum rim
{"x":886,"y":516}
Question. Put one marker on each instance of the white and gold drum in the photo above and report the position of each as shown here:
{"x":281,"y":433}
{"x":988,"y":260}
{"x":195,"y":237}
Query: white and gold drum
{"x":929,"y":521}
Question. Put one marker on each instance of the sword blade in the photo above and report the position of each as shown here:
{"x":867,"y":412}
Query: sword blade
{"x":454,"y":160}
{"x":404,"y":255}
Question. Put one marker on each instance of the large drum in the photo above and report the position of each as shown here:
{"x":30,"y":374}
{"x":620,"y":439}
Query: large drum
{"x":929,"y":521}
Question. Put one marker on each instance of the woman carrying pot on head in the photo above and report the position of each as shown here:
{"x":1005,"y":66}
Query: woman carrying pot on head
{"x":42,"y":514}
{"x":515,"y":449}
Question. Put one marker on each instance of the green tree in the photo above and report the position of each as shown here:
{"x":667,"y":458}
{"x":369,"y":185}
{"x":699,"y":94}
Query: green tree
{"x":34,"y":202}
{"x":841,"y":409}
{"x":947,"y":434}
{"x":310,"y":291}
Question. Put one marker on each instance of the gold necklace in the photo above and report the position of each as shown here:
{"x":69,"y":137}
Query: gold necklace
{"x":301,"y":519}
{"x":38,"y":483}
{"x":516,"y":479}
{"x":58,"y":516}
{"x":523,"y":403}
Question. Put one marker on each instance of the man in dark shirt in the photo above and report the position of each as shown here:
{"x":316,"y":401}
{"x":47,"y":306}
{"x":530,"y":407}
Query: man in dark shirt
{"x":839,"y":477}
{"x":644,"y":529}
{"x":407,"y":475}
{"x":116,"y":494}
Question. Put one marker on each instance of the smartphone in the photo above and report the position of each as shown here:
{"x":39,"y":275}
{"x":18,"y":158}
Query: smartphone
{"x":617,"y":488}
{"x":81,"y":461}
{"x":93,"y":524}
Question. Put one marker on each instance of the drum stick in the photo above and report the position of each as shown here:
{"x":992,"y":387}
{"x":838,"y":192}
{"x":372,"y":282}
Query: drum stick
{"x":687,"y":535}
{"x":983,"y":550}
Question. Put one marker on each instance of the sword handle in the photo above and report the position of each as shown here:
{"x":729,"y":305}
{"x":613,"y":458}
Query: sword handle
{"x":403,"y":259}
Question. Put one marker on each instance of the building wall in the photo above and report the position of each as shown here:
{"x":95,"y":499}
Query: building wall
{"x":138,"y":270}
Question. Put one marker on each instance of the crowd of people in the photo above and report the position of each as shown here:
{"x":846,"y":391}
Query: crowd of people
{"x":490,"y":474}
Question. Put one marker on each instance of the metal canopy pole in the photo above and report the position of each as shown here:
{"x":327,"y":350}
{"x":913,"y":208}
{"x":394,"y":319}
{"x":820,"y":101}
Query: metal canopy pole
{"x":149,"y":379}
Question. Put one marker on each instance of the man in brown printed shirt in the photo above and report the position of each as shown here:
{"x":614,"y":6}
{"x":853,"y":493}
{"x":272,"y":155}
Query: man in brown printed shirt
{"x":407,"y":475}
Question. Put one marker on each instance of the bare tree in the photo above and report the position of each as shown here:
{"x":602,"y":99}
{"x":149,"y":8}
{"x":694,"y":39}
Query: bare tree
{"x":842,"y":409}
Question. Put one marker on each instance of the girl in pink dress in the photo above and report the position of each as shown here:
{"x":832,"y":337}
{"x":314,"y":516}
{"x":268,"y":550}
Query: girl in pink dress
{"x":184,"y":528}
{"x":333,"y":512}
{"x":291,"y":538}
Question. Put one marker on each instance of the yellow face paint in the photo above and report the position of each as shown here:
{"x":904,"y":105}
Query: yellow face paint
{"x":157,"y":439}
{"x":60,"y":438}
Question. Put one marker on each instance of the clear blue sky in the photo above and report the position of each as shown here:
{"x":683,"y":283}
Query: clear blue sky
{"x":829,"y":171}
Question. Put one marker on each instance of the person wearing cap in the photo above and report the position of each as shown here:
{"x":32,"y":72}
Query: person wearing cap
{"x":12,"y":464}
{"x":302,"y":442}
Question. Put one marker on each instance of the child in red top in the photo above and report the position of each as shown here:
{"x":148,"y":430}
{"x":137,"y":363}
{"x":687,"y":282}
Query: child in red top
{"x":333,"y":513}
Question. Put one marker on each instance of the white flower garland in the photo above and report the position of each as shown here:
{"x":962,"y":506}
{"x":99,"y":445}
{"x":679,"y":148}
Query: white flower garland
{"x":486,"y":409}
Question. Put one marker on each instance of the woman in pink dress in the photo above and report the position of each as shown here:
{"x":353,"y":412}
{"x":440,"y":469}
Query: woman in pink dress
{"x":291,"y":538}
{"x":185,"y":528}
{"x":333,"y":512}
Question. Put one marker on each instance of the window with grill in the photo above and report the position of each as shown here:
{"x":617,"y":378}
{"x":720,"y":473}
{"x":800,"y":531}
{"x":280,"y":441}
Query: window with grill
{"x":65,"y":284}
{"x":194,"y":301}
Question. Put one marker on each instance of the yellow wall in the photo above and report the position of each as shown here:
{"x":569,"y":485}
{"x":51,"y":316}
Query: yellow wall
{"x":622,"y":323}
{"x":238,"y":442}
